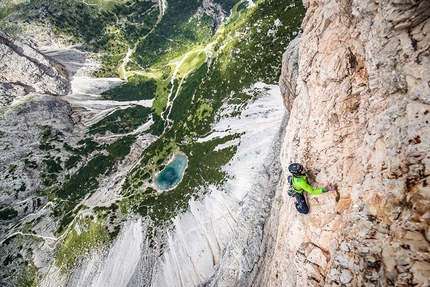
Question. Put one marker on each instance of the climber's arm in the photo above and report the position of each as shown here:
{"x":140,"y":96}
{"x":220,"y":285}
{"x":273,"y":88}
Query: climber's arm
{"x":305,"y":186}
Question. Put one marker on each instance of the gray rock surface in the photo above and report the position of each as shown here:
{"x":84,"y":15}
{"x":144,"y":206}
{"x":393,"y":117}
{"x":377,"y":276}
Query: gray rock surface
{"x":290,"y":72}
{"x":248,"y":247}
{"x":34,"y":125}
{"x":25,"y":129}
{"x":25,"y":71}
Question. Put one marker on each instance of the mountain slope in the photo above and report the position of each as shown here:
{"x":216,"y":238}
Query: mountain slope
{"x":93,"y":182}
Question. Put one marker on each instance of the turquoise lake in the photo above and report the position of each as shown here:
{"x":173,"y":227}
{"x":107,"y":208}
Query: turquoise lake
{"x":172,"y":174}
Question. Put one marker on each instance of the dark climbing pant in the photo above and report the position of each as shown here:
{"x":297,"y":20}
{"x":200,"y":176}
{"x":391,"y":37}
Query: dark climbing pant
{"x":301,"y":205}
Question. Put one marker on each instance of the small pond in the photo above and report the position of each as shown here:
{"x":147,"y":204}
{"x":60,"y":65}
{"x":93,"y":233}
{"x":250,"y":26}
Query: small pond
{"x":172,"y":174}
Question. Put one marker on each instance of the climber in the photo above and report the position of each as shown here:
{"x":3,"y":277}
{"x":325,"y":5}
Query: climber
{"x":299,"y":184}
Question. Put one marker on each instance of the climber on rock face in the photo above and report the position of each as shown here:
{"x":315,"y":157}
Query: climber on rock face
{"x":299,"y":183}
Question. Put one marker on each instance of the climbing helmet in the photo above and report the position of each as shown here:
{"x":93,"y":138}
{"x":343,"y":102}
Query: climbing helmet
{"x":295,"y":168}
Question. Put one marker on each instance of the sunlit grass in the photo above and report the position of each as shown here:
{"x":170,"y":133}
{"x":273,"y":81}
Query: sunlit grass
{"x":192,"y":61}
{"x":203,"y":110}
{"x":86,"y":236}
{"x":160,"y":101}
{"x":106,"y":4}
{"x":8,"y":6}
{"x":153,"y":74}
{"x":235,"y":18}
{"x":188,"y":63}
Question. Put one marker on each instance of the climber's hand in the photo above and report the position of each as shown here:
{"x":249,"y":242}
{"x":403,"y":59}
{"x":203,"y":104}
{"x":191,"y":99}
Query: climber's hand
{"x":314,"y":172}
{"x":331,"y":187}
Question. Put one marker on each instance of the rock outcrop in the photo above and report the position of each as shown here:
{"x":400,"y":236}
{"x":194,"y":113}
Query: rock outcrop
{"x":34,"y":122}
{"x":359,"y":106}
{"x":24,"y":70}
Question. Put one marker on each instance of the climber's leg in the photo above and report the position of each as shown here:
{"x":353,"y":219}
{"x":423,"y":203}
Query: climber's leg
{"x":301,"y":205}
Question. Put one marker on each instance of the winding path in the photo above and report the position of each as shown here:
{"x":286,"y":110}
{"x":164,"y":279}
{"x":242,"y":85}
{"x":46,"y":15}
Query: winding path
{"x":162,"y":4}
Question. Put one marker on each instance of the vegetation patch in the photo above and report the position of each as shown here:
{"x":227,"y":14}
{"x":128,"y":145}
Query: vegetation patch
{"x":85,"y":180}
{"x":86,"y":236}
{"x":51,"y":167}
{"x":175,"y":35}
{"x":157,"y":128}
{"x":137,"y":88}
{"x":32,"y":164}
{"x":122,"y":121}
{"x":72,"y":161}
{"x":8,"y":214}
{"x":86,"y":147}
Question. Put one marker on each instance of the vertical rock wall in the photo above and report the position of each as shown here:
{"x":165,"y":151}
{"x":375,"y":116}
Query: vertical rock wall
{"x":357,"y":85}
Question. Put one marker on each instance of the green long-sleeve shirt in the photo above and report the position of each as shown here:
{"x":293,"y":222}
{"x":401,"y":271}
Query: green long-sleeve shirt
{"x":300,"y":183}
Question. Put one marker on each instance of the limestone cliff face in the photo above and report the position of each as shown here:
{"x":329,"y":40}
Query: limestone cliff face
{"x":25,"y":71}
{"x":357,"y":86}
